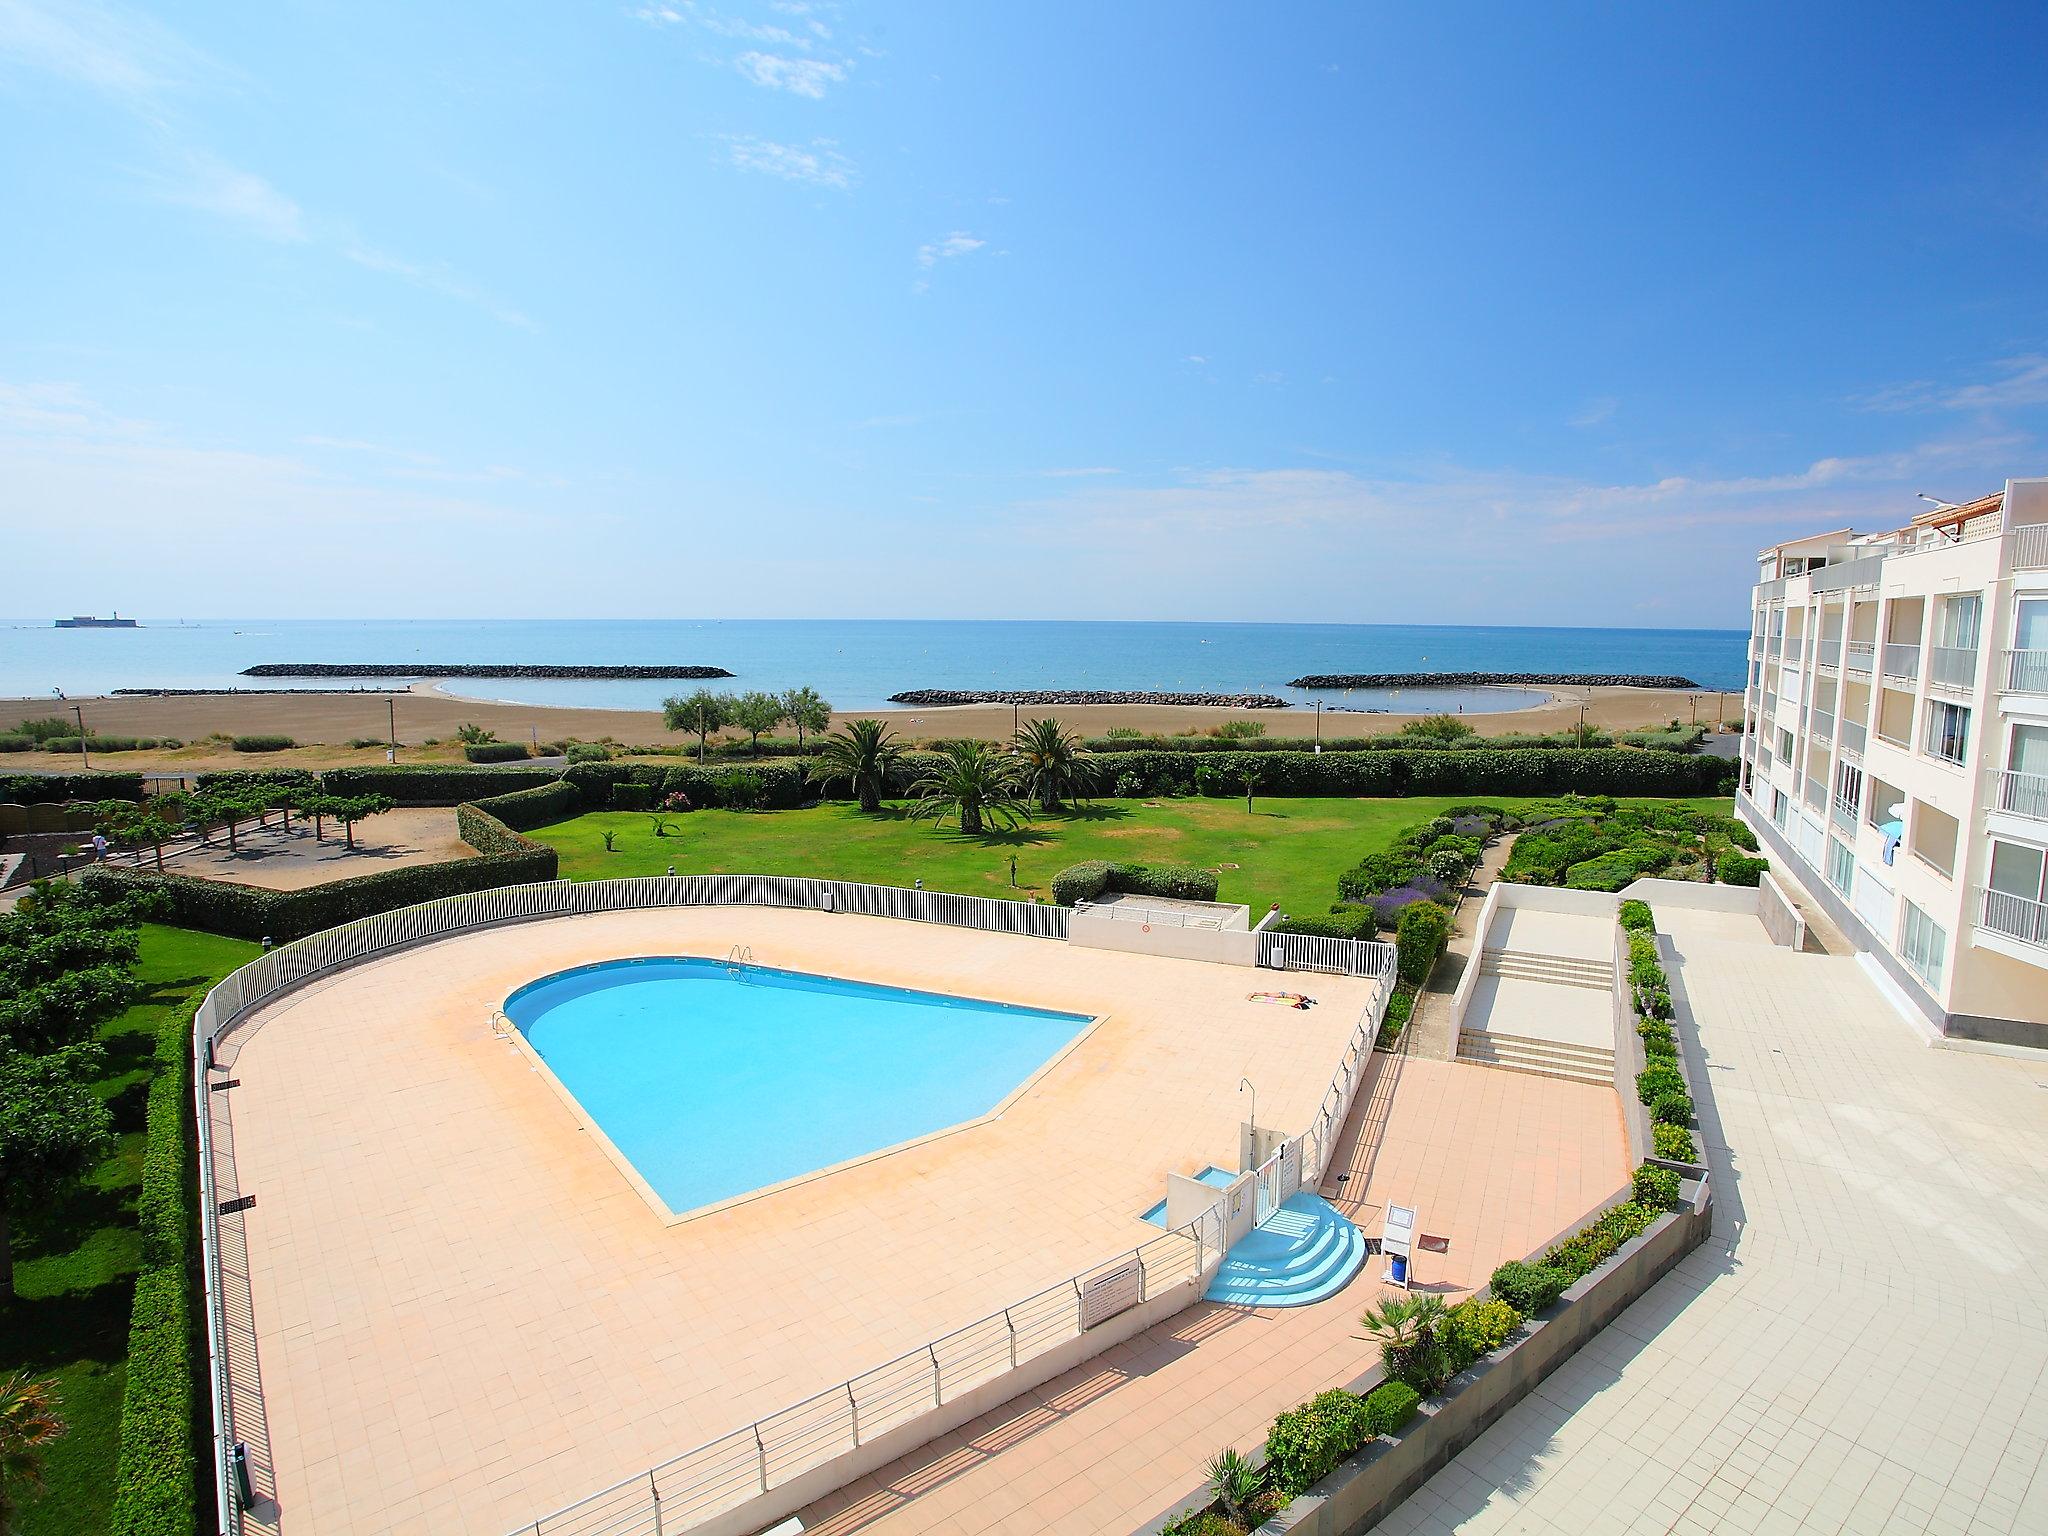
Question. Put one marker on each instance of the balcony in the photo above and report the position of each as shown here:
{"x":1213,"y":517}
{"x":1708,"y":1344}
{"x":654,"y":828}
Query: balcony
{"x":2021,"y":794}
{"x":1902,"y":661}
{"x":1952,"y":666}
{"x":2026,"y":671}
{"x":1816,"y":793}
{"x":1844,"y":815}
{"x":2030,"y":547}
{"x":2016,"y":917}
{"x":1828,"y":653}
{"x":1795,"y":648}
{"x":1823,"y":726}
{"x":1860,"y":656}
{"x":1854,"y":738}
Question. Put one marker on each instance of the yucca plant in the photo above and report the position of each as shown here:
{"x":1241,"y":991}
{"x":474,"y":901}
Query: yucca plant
{"x":29,"y":1424}
{"x":1054,"y":764}
{"x":863,"y":754}
{"x":1408,"y":1330}
{"x":1234,"y":1482}
{"x":974,"y":782}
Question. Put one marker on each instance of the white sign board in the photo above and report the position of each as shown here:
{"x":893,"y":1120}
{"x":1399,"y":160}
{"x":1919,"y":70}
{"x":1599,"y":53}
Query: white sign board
{"x":1115,"y":1290}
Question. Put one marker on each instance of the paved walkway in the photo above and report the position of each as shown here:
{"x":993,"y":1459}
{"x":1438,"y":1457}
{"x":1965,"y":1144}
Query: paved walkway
{"x":1430,"y":1035}
{"x":1860,"y":1346}
{"x":1497,"y":1162}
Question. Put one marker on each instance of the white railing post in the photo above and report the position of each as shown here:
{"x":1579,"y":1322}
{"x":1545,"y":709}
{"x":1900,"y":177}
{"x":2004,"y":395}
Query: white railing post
{"x":761,"y":1457}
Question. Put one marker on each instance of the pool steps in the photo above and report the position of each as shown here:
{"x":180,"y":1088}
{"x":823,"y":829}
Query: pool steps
{"x":1304,"y":1252}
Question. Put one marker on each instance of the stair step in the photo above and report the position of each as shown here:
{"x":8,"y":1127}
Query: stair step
{"x":1540,"y":1058}
{"x":1304,"y":1252}
{"x":1487,"y":1039}
{"x":1562,"y":970}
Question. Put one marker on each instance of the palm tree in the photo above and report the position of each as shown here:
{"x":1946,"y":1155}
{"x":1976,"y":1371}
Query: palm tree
{"x":1406,"y":1329}
{"x":1054,"y":763}
{"x":974,"y":781}
{"x":29,"y":1422}
{"x":865,"y":755}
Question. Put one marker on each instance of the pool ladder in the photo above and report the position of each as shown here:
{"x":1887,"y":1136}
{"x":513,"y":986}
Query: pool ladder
{"x":736,"y":959}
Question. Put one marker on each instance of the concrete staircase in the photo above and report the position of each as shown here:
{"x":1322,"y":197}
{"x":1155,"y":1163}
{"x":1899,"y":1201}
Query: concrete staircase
{"x":1559,"y":970}
{"x":1544,"y":1058}
{"x":1303,"y":1252}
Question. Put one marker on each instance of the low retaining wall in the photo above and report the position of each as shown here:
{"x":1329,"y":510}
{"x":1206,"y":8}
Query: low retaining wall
{"x":1629,"y":1056}
{"x":1783,"y":921}
{"x":1692,"y":895}
{"x":1094,"y":928}
{"x":1369,"y":1486}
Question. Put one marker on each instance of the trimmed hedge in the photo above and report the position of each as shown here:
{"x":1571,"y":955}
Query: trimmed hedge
{"x":433,"y":783}
{"x":262,"y":742}
{"x":1081,"y":882}
{"x":1420,"y":935}
{"x":1360,"y":923}
{"x":1389,"y":1406}
{"x":1305,"y":1444}
{"x":496,"y":752}
{"x":1090,"y":878}
{"x":1528,"y":1288}
{"x":56,"y":788}
{"x":768,"y":786}
{"x":1734,"y":868}
{"x":1636,"y":917}
{"x":17,"y":743}
{"x":250,"y":912}
{"x":525,"y":809}
{"x":156,"y":1488}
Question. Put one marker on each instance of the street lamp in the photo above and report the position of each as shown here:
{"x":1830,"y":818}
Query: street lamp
{"x":84,"y":757}
{"x":1582,"y":722}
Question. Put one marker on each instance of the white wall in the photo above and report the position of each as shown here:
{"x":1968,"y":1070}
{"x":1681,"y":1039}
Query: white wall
{"x":1234,"y":947}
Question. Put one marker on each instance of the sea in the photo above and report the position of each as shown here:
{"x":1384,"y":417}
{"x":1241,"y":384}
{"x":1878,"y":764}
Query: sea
{"x":858,"y":663}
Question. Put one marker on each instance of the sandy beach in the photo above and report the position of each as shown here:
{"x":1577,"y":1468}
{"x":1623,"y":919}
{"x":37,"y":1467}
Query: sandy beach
{"x":323,"y":723}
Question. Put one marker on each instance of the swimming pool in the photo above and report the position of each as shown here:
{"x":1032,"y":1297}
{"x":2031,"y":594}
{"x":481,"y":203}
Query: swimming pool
{"x":714,"y":1080}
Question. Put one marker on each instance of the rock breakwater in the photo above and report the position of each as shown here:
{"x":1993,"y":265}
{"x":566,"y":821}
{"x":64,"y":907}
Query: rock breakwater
{"x":1491,"y":680}
{"x":932,"y":698}
{"x":469,"y":669}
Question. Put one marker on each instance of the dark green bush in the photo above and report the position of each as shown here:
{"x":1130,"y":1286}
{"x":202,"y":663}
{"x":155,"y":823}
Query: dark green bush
{"x":1734,"y":829}
{"x":632,"y":797}
{"x":156,"y":1491}
{"x":1656,"y":1080}
{"x":435,"y":783}
{"x":1420,"y":934}
{"x":1674,"y":1142}
{"x":1637,"y":917}
{"x":1655,"y":1187}
{"x":588,"y":752}
{"x":17,"y":743}
{"x":1660,"y":1049}
{"x":1582,"y":1253}
{"x":1092,"y":877}
{"x":536,"y":807}
{"x":250,"y":912}
{"x":1389,"y":1406}
{"x":1306,"y":1443}
{"x":1352,"y":923}
{"x":105,"y":744}
{"x":1400,"y":1008}
{"x":262,"y":742}
{"x":1528,"y":1288}
{"x":1617,"y":870}
{"x":1081,"y":882}
{"x":57,"y":788}
{"x":1734,"y":868}
{"x":1672,"y":1109}
{"x":496,"y":752}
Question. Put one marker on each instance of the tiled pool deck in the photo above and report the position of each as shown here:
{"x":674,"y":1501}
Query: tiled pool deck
{"x":466,"y":1317}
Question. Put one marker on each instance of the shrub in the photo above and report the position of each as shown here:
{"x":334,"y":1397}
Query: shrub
{"x":632,"y":797}
{"x":1389,"y":1406}
{"x":1420,"y":934}
{"x":1241,"y":730}
{"x":1400,"y":1007}
{"x":1359,"y":923}
{"x":1655,"y":1187}
{"x":1734,"y":868}
{"x":1672,"y":1109}
{"x":262,"y":742}
{"x":588,"y":752}
{"x":1660,"y":1049}
{"x":1582,"y":1253}
{"x":45,"y":727}
{"x":1630,"y":1219}
{"x":1129,"y":786}
{"x":535,"y":807}
{"x":156,"y":1492}
{"x":1528,"y":1288}
{"x":1480,"y":1327}
{"x":1306,"y":1443}
{"x":434,"y":783}
{"x":1081,"y":882}
{"x":1734,"y":829}
{"x":17,"y":743}
{"x":1090,"y":878}
{"x":57,"y":788}
{"x":1674,"y":1142}
{"x":1653,"y":1082}
{"x":1637,"y":917}
{"x":496,"y":751}
{"x":1657,"y":1030}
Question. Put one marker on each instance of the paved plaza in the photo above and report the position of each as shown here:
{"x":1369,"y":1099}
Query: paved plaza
{"x":1861,"y":1345}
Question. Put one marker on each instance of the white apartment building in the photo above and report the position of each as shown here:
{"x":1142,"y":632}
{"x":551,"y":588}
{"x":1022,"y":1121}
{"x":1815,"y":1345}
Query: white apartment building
{"x":1895,"y":751}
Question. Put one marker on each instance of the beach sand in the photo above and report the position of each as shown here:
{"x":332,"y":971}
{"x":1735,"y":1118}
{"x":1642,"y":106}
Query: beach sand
{"x":324,"y":722}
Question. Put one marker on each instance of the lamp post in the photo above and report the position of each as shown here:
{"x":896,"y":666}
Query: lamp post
{"x":391,"y":719}
{"x":1582,"y":723}
{"x":84,"y":757}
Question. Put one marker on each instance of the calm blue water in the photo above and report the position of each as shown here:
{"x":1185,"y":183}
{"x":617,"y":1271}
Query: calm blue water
{"x":857,"y":664}
{"x":713,"y":1086}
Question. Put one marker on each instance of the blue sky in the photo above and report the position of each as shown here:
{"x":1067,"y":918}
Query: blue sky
{"x":1514,"y":314}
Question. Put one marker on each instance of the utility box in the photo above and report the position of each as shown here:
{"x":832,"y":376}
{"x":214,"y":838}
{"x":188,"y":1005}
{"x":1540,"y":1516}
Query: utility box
{"x":1397,"y":1242}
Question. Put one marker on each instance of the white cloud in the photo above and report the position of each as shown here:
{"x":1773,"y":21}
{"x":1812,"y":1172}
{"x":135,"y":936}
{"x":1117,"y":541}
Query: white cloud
{"x":958,"y":243}
{"x":241,"y":197}
{"x":117,"y":51}
{"x":2016,"y":382}
{"x":1596,"y":411}
{"x":435,"y":279}
{"x":1197,"y":359}
{"x":818,"y":164}
{"x":800,"y":77}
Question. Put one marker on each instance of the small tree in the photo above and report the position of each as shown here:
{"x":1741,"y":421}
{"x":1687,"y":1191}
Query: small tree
{"x":974,"y":782}
{"x":350,"y":809}
{"x":700,"y":714}
{"x":138,"y":826}
{"x":864,"y":755}
{"x":474,"y":735}
{"x":757,"y":714}
{"x":1248,"y":777}
{"x":1053,"y":763}
{"x":53,"y":1129}
{"x":1437,"y":728}
{"x":807,"y":713}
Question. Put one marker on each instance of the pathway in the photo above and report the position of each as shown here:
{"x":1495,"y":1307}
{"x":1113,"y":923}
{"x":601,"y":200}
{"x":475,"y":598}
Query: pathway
{"x":1430,"y":1034}
{"x":1859,"y":1346}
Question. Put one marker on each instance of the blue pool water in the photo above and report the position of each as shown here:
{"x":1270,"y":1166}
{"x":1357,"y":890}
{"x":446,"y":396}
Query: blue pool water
{"x":1214,"y":1177}
{"x":714,"y":1080}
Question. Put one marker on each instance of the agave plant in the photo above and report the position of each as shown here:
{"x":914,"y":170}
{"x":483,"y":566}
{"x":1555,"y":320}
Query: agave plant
{"x":1054,"y":764}
{"x":1234,"y":1482}
{"x":863,"y":754}
{"x":974,"y":782}
{"x":29,"y":1423}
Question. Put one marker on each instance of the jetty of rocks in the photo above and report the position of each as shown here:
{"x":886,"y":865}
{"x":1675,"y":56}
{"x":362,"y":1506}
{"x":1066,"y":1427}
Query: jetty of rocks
{"x":1490,"y":680}
{"x":467,"y":669}
{"x":934,"y":697}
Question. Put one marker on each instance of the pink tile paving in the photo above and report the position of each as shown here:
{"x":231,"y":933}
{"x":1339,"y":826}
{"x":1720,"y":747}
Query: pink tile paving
{"x":1498,"y":1162}
{"x":466,"y":1317}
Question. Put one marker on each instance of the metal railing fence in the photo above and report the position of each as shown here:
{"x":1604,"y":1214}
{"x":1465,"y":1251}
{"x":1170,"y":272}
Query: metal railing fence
{"x":2030,"y":547}
{"x":1163,"y":917}
{"x":1902,"y":659}
{"x":2026,"y":671}
{"x":1313,"y":952}
{"x":2022,"y":794}
{"x":1336,"y":1101}
{"x":2016,"y":917}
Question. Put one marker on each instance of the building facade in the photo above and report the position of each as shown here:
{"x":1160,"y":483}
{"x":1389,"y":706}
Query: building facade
{"x":1895,"y":750}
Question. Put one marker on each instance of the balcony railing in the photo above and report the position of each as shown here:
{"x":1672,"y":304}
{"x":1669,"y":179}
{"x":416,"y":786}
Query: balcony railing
{"x":2022,"y":794}
{"x":2030,"y":547}
{"x":1816,"y":793}
{"x":1844,"y":815}
{"x":1952,"y":666}
{"x":1770,"y":705}
{"x":1854,"y":737}
{"x":1828,"y":651}
{"x":2026,"y":671}
{"x":1902,"y":661}
{"x":1890,"y":740}
{"x":2016,"y":917}
{"x":1864,"y":571}
{"x":1795,"y":648}
{"x":1860,"y":656}
{"x":1823,"y":725}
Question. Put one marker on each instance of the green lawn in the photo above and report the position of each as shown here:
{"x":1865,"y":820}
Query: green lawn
{"x":1286,"y":850}
{"x":75,"y":1267}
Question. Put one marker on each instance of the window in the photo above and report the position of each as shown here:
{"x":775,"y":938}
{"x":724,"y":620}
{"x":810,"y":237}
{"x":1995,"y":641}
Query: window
{"x":1784,"y":743}
{"x":2013,"y":903}
{"x":1948,"y":731}
{"x":1780,"y":807}
{"x":1934,"y":838}
{"x":1922,"y":944}
{"x":1841,"y":866}
{"x":1849,"y":789}
{"x":1882,"y":803}
{"x":1958,"y":622}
